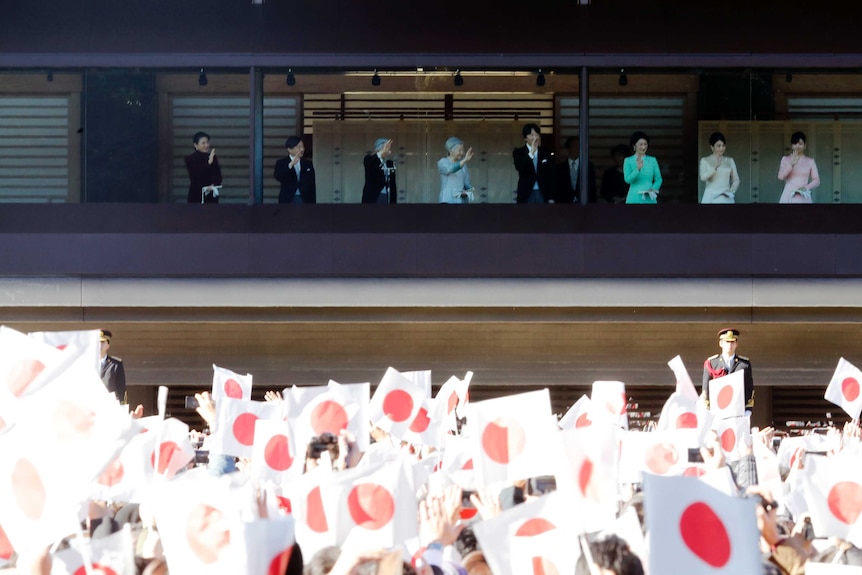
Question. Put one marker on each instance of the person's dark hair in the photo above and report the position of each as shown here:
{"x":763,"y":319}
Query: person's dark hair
{"x":198,"y":135}
{"x":611,"y":553}
{"x":619,"y":149}
{"x":323,"y":561}
{"x":638,"y":136}
{"x":294,"y":565}
{"x":292,"y":142}
{"x":467,"y":542}
{"x":797,"y":136}
{"x":321,"y":443}
{"x":525,"y":131}
{"x":569,"y":141}
{"x":716,"y":137}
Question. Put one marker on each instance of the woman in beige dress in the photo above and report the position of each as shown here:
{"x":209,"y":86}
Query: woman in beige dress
{"x":719,"y":173}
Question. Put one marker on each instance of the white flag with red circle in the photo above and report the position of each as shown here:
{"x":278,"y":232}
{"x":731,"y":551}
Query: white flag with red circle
{"x":425,"y":429}
{"x":679,"y":412}
{"x":609,"y":402}
{"x":267,"y":544}
{"x":556,"y":510}
{"x":588,"y":470}
{"x":113,"y":554}
{"x":235,"y":421}
{"x":513,"y":437}
{"x":274,"y":455}
{"x":727,"y":395}
{"x":457,"y":462}
{"x":296,"y":398}
{"x":126,"y":478}
{"x":6,"y":549}
{"x":395,"y":403}
{"x":451,"y":397}
{"x":420,"y":378}
{"x":86,"y":342}
{"x":25,"y":364}
{"x":833,"y":492}
{"x":844,"y":390}
{"x":684,"y":385}
{"x":733,"y":434}
{"x":695,"y":529}
{"x":656,"y":452}
{"x":336,"y":408}
{"x":173,"y":449}
{"x":227,"y":383}
{"x":578,"y":415}
{"x":312,"y":504}
{"x":554,"y":552}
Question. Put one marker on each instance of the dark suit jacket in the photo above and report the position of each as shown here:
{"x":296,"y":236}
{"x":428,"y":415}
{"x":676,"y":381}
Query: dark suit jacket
{"x":714,"y":367}
{"x":202,"y":173}
{"x":114,"y":376}
{"x":287,"y":177}
{"x":565,"y":194}
{"x":527,"y":175}
{"x":375,"y":180}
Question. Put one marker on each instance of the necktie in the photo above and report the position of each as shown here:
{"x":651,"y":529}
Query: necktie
{"x":573,"y":174}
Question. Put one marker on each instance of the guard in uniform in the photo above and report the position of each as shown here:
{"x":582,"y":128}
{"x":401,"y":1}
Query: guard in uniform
{"x":112,"y":371}
{"x":727,"y":362}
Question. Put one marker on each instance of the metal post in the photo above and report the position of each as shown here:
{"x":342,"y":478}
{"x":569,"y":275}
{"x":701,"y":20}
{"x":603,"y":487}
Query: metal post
{"x":255,"y":149}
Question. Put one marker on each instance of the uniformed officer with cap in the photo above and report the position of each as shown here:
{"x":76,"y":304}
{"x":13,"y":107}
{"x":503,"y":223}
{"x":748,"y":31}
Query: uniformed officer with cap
{"x":112,"y":371}
{"x":727,"y":362}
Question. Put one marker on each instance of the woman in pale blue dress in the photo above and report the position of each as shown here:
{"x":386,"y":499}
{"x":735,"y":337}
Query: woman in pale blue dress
{"x":455,"y":187}
{"x":641,"y":172}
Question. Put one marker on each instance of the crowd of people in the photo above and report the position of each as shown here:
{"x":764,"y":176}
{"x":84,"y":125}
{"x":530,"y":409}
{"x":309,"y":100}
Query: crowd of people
{"x":331,"y":480}
{"x":635,"y":177}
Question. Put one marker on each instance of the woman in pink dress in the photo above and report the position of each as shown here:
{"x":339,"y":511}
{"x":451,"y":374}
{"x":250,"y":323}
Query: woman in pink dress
{"x":798,"y":172}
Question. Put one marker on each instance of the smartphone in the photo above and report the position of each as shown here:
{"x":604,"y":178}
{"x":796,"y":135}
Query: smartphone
{"x":465,"y":499}
{"x":191,"y":402}
{"x":694,"y":455}
{"x":541,"y":485}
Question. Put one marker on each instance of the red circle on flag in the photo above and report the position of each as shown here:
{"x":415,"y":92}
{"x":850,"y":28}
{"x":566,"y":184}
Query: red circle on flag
{"x":845,"y":501}
{"x":585,"y":477}
{"x":693,"y":471}
{"x":167,"y":449}
{"x":452,"y":403}
{"x":22,"y":375}
{"x":617,"y":406}
{"x":421,"y":421}
{"x":850,"y":389}
{"x":533,"y":527}
{"x":315,"y":515}
{"x":686,"y":421}
{"x":243,"y":428}
{"x":278,"y":565}
{"x":6,"y":549}
{"x":583,"y":420}
{"x":73,"y":422}
{"x":207,"y":532}
{"x":328,"y":417}
{"x":112,"y":474}
{"x":2,"y":424}
{"x":61,"y":347}
{"x":728,"y":439}
{"x":544,"y":566}
{"x":276,"y":453}
{"x":233,"y":389}
{"x":468,"y":466}
{"x":725,"y":396}
{"x":371,"y":506}
{"x":28,"y":489}
{"x":284,"y":504}
{"x":661,"y":457}
{"x":503,"y":440}
{"x":96,"y":569}
{"x":398,"y":405}
{"x":705,"y":535}
{"x":468,"y":513}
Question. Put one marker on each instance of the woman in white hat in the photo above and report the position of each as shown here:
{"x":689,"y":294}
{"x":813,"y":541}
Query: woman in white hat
{"x":455,"y":187}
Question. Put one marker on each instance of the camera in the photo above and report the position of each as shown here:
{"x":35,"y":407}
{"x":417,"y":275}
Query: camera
{"x":191,"y":402}
{"x":541,"y":485}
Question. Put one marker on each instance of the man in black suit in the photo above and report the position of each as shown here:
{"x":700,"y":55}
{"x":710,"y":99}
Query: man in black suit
{"x":568,"y":177}
{"x":296,"y":175}
{"x":380,"y":186}
{"x":727,"y":362}
{"x":535,"y":168}
{"x":112,"y":371}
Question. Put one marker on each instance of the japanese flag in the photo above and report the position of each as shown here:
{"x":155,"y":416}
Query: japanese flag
{"x":395,"y":403}
{"x":110,"y":555}
{"x":556,"y":510}
{"x":25,"y":364}
{"x":6,"y":549}
{"x":235,"y":421}
{"x":275,"y":456}
{"x":733,"y":433}
{"x":578,"y":415}
{"x":227,"y":383}
{"x":679,"y":412}
{"x":657,"y":452}
{"x":425,"y":429}
{"x":684,"y":386}
{"x":173,"y":449}
{"x":588,"y":471}
{"x":513,"y":437}
{"x":695,"y":529}
{"x":833,"y":492}
{"x":609,"y":402}
{"x":457,"y":462}
{"x":768,"y":474}
{"x":267,"y":544}
{"x":420,"y":378}
{"x":727,"y":395}
{"x":87,"y":342}
{"x":312,"y":505}
{"x":843,"y":389}
{"x":126,"y":478}
{"x":452,"y":397}
{"x":553,"y":552}
{"x":337,"y":407}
